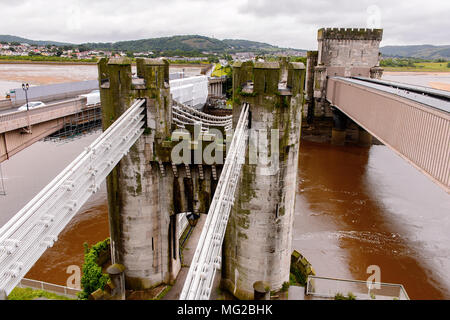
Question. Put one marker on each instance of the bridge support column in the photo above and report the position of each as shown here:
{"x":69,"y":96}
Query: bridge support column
{"x":257,"y":244}
{"x":140,"y":193}
{"x":338,"y":132}
{"x":311,"y":62}
{"x":364,"y":138}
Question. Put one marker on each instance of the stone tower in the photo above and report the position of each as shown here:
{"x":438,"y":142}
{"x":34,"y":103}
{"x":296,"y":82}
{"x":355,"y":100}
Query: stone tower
{"x":257,"y":245}
{"x":344,"y":52}
{"x":141,"y":201}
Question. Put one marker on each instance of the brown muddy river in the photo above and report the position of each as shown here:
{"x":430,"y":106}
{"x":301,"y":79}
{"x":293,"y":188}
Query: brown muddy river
{"x":355,"y":207}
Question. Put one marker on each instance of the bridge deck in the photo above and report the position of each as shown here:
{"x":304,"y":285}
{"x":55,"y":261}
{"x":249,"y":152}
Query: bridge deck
{"x":438,"y":99}
{"x":415,"y":125}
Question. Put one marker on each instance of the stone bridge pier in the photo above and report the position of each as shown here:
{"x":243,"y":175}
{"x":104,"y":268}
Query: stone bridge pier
{"x":146,"y":190}
{"x":257,"y":245}
{"x":343,"y":52}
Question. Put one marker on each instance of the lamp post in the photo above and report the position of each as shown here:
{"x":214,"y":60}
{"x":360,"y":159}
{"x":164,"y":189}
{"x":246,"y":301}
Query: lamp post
{"x":25,"y":88}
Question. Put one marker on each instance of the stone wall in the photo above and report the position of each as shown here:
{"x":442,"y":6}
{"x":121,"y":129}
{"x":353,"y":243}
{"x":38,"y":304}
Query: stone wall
{"x":257,"y":244}
{"x":345,"y":52}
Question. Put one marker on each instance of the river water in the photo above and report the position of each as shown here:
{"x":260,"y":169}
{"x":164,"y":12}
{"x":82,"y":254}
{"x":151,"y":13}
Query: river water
{"x":355,"y":207}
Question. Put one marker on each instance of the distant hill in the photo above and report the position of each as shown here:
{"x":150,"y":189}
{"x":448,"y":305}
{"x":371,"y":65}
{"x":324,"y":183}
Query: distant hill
{"x":9,"y":38}
{"x":244,"y":45}
{"x":181,"y":43}
{"x":417,"y":51}
{"x":188,"y":43}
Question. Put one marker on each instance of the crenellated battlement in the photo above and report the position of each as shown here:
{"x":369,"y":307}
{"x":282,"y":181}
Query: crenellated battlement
{"x":350,"y":34}
{"x":267,"y":77}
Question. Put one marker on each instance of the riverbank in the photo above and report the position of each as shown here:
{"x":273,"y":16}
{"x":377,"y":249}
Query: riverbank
{"x":434,"y":79}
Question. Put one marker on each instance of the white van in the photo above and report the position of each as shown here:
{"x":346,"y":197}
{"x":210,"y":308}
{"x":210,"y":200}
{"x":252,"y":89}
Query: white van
{"x":93,"y":97}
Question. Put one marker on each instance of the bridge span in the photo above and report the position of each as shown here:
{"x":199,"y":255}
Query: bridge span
{"x":413,"y":121}
{"x":20,"y":129}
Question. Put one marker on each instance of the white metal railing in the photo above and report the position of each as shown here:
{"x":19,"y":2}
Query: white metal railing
{"x":207,"y":257}
{"x":182,"y":224}
{"x":26,"y":236}
{"x":50,"y":287}
{"x":328,"y":288}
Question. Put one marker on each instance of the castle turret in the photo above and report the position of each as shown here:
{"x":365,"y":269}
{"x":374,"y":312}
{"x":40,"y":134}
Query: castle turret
{"x":257,"y":244}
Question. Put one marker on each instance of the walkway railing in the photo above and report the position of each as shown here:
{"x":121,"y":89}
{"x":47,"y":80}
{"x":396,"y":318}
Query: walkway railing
{"x":207,"y":257}
{"x":50,"y":287}
{"x":36,"y":227}
{"x":328,"y":288}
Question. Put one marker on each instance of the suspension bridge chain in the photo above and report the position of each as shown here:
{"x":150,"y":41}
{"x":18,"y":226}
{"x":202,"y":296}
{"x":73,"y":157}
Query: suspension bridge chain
{"x":207,"y":257}
{"x":36,"y":227}
{"x":184,"y":115}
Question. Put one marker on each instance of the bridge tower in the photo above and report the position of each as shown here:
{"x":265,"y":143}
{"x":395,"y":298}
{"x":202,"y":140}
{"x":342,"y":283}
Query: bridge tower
{"x":257,"y":245}
{"x":144,"y":193}
{"x":343,"y":52}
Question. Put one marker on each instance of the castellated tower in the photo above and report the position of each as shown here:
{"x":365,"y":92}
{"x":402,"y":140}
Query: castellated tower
{"x":142,"y":202}
{"x":257,"y":244}
{"x":344,"y":52}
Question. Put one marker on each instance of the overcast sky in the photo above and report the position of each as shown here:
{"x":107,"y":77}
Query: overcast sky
{"x":287,"y":23}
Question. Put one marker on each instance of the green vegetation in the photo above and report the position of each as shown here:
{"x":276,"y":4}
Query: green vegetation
{"x":163,"y":293}
{"x":285,"y":286}
{"x":45,"y":59}
{"x":30,"y":294}
{"x":428,"y":52}
{"x":340,"y":296}
{"x":93,"y":278}
{"x":395,"y":64}
{"x":220,"y":71}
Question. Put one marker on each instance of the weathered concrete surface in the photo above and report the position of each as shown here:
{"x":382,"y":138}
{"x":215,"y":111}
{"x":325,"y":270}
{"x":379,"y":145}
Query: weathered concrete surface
{"x":140,"y":197}
{"x":257,"y":244}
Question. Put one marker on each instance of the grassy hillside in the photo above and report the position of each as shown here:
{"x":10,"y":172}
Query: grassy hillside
{"x":417,"y":51}
{"x":9,"y":38}
{"x":244,"y":45}
{"x":396,"y":64}
{"x":181,"y":43}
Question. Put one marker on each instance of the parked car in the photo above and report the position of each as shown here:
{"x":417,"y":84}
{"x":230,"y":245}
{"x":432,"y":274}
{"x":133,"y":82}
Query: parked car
{"x":32,"y":105}
{"x":93,"y":97}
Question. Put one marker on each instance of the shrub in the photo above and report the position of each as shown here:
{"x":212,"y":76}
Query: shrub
{"x":93,"y":278}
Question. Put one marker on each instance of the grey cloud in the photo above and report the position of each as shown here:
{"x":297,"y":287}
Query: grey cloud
{"x":290,"y":23}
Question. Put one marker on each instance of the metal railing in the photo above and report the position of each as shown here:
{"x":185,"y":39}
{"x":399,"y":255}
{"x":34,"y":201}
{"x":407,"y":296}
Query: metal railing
{"x":49,"y":287}
{"x":26,"y":236}
{"x":328,"y":288}
{"x":207,"y":257}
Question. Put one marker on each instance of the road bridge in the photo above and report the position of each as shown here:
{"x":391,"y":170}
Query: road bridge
{"x":20,"y":129}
